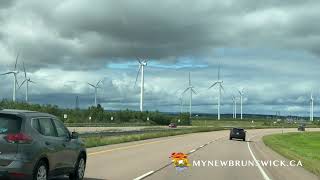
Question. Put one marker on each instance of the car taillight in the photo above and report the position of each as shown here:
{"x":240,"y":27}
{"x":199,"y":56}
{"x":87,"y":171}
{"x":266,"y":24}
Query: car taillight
{"x":20,"y":138}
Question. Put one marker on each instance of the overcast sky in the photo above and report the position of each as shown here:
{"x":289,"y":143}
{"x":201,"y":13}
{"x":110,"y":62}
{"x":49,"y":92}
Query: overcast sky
{"x":271,"y":49}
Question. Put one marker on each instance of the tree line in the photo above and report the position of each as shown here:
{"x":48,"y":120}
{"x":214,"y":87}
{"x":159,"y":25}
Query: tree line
{"x":99,"y":115}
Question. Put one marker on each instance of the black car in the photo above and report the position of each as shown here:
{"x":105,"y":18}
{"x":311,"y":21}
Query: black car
{"x":301,"y":128}
{"x":237,"y":133}
{"x":37,"y":146}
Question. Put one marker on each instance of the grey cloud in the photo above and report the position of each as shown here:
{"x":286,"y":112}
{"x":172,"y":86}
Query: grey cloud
{"x":270,"y":48}
{"x":74,"y":33}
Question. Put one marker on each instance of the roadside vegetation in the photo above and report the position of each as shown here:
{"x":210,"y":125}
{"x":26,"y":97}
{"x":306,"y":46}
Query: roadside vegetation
{"x":99,"y":116}
{"x":303,"y":146}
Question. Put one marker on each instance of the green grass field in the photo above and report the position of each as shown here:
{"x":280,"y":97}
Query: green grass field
{"x":298,"y":146}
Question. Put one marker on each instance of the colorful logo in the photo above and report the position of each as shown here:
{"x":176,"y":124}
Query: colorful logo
{"x":180,"y":161}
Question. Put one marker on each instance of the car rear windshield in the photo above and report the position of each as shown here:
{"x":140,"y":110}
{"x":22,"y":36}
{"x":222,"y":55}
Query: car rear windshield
{"x":237,"y":130}
{"x":9,"y":124}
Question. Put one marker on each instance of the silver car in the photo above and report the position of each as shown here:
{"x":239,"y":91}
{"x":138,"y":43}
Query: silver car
{"x":37,"y":146}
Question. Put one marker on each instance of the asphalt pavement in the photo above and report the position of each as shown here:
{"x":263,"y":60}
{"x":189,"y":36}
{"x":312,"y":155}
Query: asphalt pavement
{"x":150,"y":159}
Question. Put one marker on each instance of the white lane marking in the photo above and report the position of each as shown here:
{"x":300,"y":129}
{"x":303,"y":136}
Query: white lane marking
{"x":151,"y":172}
{"x":144,"y":175}
{"x":193,"y":150}
{"x":264,"y":174}
{"x":201,"y":146}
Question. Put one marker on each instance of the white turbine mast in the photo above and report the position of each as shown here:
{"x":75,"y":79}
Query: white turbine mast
{"x":219,"y":83}
{"x":311,"y":106}
{"x":26,"y":80}
{"x":95,"y":91}
{"x":192,"y":91}
{"x":142,"y":63}
{"x":241,"y":96}
{"x":234,"y":99}
{"x":15,"y":81}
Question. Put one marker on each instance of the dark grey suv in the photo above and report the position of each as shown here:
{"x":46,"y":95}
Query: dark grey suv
{"x":237,"y":133}
{"x":37,"y":146}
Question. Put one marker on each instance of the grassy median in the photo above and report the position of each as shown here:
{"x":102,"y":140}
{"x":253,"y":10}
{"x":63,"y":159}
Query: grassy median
{"x":107,"y":140}
{"x":303,"y":146}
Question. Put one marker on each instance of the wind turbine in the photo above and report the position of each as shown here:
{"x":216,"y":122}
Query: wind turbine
{"x":15,"y":81}
{"x":219,"y":84}
{"x":95,"y":91}
{"x":241,"y":96}
{"x":142,"y":63}
{"x":26,"y":80}
{"x":191,"y":89}
{"x":311,"y":107}
{"x":234,"y":99}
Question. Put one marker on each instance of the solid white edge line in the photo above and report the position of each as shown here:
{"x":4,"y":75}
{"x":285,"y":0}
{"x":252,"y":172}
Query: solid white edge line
{"x":192,"y":151}
{"x":144,"y":175}
{"x":264,"y":174}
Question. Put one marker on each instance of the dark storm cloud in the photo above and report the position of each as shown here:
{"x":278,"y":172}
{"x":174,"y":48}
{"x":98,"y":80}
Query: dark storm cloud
{"x":74,"y":32}
{"x":270,"y":48}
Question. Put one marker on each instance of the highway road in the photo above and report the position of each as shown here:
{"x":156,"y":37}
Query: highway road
{"x":135,"y":160}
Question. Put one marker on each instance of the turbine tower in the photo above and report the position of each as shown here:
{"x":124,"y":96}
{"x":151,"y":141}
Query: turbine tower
{"x":219,"y":84}
{"x":142,"y":63}
{"x":15,"y":81}
{"x":95,"y":91}
{"x":191,"y":89}
{"x":234,"y":99}
{"x":311,"y":107}
{"x":27,"y":80}
{"x":241,"y":96}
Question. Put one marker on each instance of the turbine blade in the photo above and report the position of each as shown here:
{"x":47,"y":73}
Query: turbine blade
{"x":193,"y":91}
{"x":24,"y":69}
{"x":22,"y":83}
{"x":213,"y":85}
{"x":222,"y":88}
{"x":6,"y":73}
{"x":185,"y":90}
{"x":15,"y":65}
{"x":92,"y":85}
{"x":189,"y":79}
{"x":139,"y":60}
{"x":31,"y":81}
{"x":98,"y":83}
{"x":15,"y":77}
{"x":137,"y":75}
